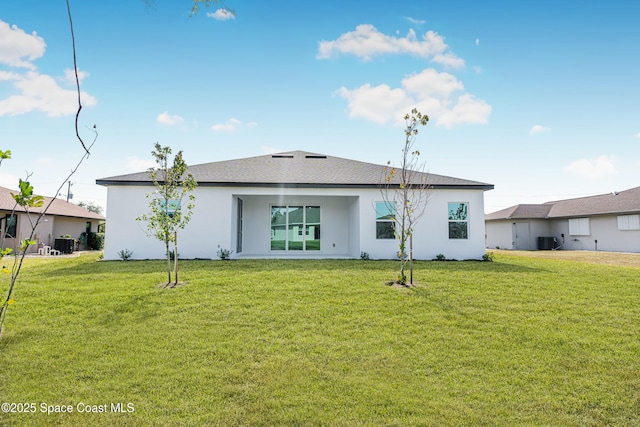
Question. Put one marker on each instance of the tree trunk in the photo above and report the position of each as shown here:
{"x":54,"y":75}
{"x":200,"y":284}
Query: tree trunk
{"x":175,"y":258}
{"x":411,"y":259}
{"x":166,"y":242}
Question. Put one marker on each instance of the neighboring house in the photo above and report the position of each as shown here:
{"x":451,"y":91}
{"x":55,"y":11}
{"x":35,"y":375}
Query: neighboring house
{"x":62,"y":218}
{"x":608,"y":222}
{"x":297,"y":205}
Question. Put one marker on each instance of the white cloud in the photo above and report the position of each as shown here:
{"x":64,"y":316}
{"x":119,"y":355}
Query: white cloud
{"x":637,"y":135}
{"x":221,"y":15}
{"x":477,"y":42}
{"x":538,"y":129}
{"x":17,"y":48}
{"x":231,"y":125}
{"x":136,"y":164}
{"x":40,"y":92}
{"x":467,"y":109}
{"x":270,"y":150}
{"x":33,"y":91}
{"x":168,"y":119}
{"x":415,"y":21}
{"x":431,"y":92}
{"x":366,"y":42}
{"x":590,"y":168}
{"x":70,"y":76}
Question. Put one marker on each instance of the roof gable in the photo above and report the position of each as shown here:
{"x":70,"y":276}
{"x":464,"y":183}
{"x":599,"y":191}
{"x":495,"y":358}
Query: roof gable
{"x":292,"y":169}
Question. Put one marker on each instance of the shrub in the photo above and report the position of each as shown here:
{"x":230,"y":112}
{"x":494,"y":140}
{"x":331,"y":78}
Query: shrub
{"x":364,"y":256}
{"x":125,"y":254}
{"x":488,"y":257}
{"x":441,"y":257}
{"x":224,"y":253}
{"x":95,"y":241}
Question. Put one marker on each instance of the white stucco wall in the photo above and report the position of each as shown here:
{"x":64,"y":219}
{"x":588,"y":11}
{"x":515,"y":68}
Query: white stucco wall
{"x":50,"y":228}
{"x":347,"y":223}
{"x":604,"y":229}
{"x":334,"y":222}
{"x":501,"y":233}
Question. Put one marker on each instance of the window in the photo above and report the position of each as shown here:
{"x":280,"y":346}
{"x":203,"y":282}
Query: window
{"x":171,"y":206}
{"x":385,"y":220}
{"x":629,"y":222}
{"x":10,"y":226}
{"x":458,"y":220}
{"x":579,"y":227}
{"x":295,"y":228}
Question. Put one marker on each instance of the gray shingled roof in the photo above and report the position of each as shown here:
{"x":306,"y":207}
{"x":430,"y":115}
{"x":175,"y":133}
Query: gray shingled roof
{"x":292,"y":169}
{"x":623,"y":202}
{"x":522,"y":212}
{"x":58,"y":207}
{"x":627,"y":201}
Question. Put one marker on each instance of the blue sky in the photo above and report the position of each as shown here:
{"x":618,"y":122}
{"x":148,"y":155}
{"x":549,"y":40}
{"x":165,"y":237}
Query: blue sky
{"x":539,"y":98}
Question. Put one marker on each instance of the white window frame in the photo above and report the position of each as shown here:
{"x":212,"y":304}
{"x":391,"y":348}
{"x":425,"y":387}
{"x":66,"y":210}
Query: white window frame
{"x":579,"y":227}
{"x":466,"y":221}
{"x":629,"y":222}
{"x":391,"y":221}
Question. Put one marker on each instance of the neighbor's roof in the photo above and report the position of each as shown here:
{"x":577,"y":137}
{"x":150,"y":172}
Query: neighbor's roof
{"x":58,"y":207}
{"x":623,"y":202}
{"x":522,"y":212}
{"x":293,"y":169}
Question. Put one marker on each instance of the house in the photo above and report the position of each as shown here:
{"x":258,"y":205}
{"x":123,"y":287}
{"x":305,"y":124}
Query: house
{"x":62,"y":218}
{"x":296,"y":205}
{"x":608,"y":222}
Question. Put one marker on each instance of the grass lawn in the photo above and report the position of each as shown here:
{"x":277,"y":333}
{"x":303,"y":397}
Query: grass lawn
{"x":520,"y":341}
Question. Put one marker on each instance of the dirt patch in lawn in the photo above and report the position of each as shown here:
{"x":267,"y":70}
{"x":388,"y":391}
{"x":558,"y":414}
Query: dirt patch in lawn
{"x":619,"y":259}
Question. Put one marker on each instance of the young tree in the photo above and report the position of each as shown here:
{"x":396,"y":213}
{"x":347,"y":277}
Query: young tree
{"x":405,"y":192}
{"x":167,"y":214}
{"x":91,"y":207}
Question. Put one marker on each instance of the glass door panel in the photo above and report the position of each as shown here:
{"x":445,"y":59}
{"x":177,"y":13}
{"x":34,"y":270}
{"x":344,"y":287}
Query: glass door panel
{"x":295,"y":236}
{"x":312,"y":228}
{"x":278,"y":228}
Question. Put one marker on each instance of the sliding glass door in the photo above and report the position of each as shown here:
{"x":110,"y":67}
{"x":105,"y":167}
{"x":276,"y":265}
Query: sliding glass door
{"x":295,"y":228}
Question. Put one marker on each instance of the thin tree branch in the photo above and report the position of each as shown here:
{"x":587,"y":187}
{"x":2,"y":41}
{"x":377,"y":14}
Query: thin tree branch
{"x":75,"y":69}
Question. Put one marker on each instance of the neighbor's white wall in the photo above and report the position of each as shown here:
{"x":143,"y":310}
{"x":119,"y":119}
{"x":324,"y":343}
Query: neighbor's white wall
{"x":604,"y":229}
{"x":71,"y":226}
{"x":499,"y":234}
{"x":541,"y":228}
{"x":44,"y":232}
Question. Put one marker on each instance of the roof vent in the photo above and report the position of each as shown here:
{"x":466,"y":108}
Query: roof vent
{"x":282,"y":156}
{"x":315,"y":157}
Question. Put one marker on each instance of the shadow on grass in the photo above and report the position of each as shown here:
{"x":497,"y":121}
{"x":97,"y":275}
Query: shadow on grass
{"x":133,"y":308}
{"x":258,"y":265}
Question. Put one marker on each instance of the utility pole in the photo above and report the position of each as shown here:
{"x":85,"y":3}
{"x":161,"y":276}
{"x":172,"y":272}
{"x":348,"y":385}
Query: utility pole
{"x":69,"y":194}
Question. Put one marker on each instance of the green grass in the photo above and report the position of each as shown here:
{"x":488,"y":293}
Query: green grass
{"x":520,"y":341}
